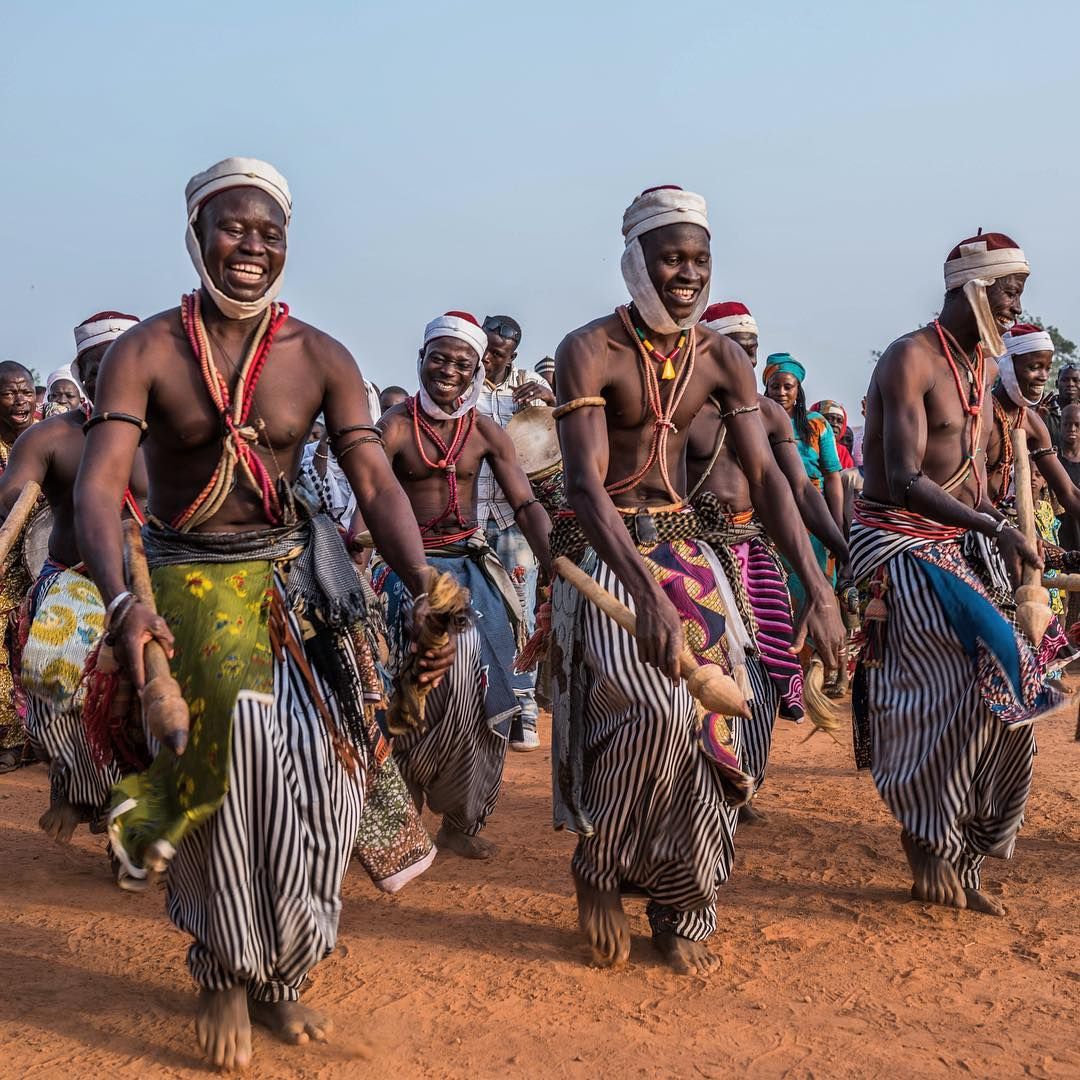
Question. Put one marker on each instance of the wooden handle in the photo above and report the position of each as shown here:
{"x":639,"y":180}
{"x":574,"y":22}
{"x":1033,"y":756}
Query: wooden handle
{"x":15,"y":522}
{"x":1033,"y":612}
{"x":709,"y":684}
{"x":1064,"y":582}
{"x":166,"y":711}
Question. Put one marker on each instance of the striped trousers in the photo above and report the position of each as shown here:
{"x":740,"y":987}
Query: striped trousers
{"x":757,"y":730}
{"x":661,"y":824}
{"x":57,"y":734}
{"x":258,"y":885}
{"x":458,"y":761}
{"x":954,"y":776}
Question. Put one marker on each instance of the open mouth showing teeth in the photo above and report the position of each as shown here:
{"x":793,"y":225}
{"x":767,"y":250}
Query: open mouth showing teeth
{"x":445,"y":387}
{"x":685,"y":296}
{"x":249,"y":272}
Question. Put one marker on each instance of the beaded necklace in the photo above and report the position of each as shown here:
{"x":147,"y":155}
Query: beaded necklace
{"x":662,"y":414}
{"x":971,"y":400}
{"x":234,"y":406}
{"x":451,"y":455}
{"x":668,"y":370}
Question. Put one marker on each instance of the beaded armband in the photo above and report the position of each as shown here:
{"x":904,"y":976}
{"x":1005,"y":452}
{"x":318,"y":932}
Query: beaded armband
{"x":577,"y":403}
{"x":1042,"y":452}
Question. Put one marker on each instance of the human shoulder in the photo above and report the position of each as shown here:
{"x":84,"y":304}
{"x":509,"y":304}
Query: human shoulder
{"x":148,"y":336}
{"x":773,"y":416}
{"x":907,"y":362}
{"x":493,"y":434}
{"x":315,"y":342}
{"x":591,"y":340}
{"x":395,"y":424}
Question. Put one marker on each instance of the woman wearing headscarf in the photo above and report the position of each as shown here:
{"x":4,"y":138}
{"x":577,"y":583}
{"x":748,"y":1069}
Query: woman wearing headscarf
{"x":836,"y":415}
{"x":813,"y":437}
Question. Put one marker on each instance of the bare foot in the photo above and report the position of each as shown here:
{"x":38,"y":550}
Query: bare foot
{"x":604,"y":924}
{"x":468,"y":847}
{"x":749,"y":815}
{"x":291,"y":1022}
{"x":686,"y":957}
{"x":979,"y":901}
{"x":60,"y":821}
{"x":223,"y":1027}
{"x":936,"y":881}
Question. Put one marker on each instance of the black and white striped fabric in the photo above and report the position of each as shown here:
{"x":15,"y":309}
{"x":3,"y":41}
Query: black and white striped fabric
{"x":57,"y":734}
{"x":458,"y":762}
{"x":757,"y":730}
{"x":951,"y":773}
{"x":259,"y":884}
{"x":661,"y":824}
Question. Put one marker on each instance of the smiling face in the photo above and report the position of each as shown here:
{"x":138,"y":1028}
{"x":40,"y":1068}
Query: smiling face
{"x":783,"y":388}
{"x":1004,"y":299}
{"x":64,"y":392}
{"x":680,"y":266}
{"x":1033,"y":373}
{"x":17,"y":401}
{"x":242,"y":236}
{"x":448,"y":370}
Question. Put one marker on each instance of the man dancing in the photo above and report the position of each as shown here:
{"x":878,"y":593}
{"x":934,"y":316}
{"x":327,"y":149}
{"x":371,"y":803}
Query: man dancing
{"x":713,"y":467}
{"x":946,"y":686}
{"x":437,"y":444}
{"x":262,"y":611}
{"x":648,"y":785}
{"x":17,"y":402}
{"x":66,"y":611}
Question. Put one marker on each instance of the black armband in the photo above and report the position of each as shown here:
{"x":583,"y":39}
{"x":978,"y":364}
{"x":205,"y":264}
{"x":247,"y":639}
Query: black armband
{"x":123,"y":417}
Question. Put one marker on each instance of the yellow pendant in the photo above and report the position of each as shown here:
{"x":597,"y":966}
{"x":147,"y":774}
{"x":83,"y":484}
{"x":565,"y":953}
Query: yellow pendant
{"x":669,"y":370}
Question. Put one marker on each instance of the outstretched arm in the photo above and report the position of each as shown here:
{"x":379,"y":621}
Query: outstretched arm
{"x":580,"y":371}
{"x":532,"y":519}
{"x":810,"y":502}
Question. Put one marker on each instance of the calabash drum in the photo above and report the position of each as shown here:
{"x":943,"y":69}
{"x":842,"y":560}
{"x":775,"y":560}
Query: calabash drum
{"x":36,"y":542}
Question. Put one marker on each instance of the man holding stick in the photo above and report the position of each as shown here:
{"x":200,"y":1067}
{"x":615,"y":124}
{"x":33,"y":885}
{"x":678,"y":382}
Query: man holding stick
{"x":649,"y":784}
{"x":262,"y":612}
{"x":946,"y":687}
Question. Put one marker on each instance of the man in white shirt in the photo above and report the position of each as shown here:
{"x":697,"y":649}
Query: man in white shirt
{"x":506,"y":390}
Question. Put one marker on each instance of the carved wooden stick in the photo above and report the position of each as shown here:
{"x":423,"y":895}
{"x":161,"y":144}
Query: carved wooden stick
{"x":1033,"y":612}
{"x":15,"y":522}
{"x":709,"y":684}
{"x":1064,"y":582}
{"x":165,"y":708}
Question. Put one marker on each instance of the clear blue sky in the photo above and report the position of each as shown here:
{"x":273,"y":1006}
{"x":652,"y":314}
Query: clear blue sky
{"x":480,"y":155}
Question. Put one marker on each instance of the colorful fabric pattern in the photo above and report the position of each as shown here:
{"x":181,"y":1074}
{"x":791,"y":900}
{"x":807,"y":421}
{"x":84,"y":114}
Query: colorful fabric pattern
{"x":219,"y":615}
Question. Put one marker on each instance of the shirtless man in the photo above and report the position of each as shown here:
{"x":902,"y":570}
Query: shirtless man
{"x":651,"y":800}
{"x":436,"y":443}
{"x":17,"y":400}
{"x":712,"y":466}
{"x":66,"y":609}
{"x":954,"y":773}
{"x":224,"y":390}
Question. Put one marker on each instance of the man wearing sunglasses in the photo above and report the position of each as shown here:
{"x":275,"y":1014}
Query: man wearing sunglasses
{"x":507,"y":389}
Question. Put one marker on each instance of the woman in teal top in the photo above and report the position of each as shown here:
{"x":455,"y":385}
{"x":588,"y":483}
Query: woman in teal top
{"x":783,"y":378}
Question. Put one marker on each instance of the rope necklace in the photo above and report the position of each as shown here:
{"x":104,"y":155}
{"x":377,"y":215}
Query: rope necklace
{"x":237,"y":451}
{"x":662,"y":425}
{"x":451,"y":455}
{"x":971,"y":400}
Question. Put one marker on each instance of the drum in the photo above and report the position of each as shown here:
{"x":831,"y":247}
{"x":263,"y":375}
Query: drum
{"x":35,"y":542}
{"x":532,"y":431}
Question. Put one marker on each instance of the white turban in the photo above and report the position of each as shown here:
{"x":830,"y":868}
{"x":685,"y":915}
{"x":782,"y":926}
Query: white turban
{"x":98,"y":330}
{"x":460,"y":325}
{"x":1019,"y":340}
{"x":653,"y":209}
{"x":234,"y":173}
{"x":974,"y":265}
{"x":59,"y":375}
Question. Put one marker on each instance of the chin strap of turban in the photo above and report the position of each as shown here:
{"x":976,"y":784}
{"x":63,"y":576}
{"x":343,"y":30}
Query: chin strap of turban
{"x":653,"y":210}
{"x":233,"y":173}
{"x":1017,"y":346}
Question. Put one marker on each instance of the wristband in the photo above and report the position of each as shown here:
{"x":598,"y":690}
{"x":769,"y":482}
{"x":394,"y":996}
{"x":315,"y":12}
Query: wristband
{"x":116,"y":601}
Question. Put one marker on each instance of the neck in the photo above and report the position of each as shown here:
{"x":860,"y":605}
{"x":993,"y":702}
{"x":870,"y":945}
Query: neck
{"x":222,"y":325}
{"x":1006,"y":402}
{"x":9,"y":432}
{"x":1071,"y":448}
{"x":661,"y":342}
{"x":958,"y":318}
{"x":497,"y":378}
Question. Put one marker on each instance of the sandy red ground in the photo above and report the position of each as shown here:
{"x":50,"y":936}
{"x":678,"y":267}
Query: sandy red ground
{"x":829,"y":970}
